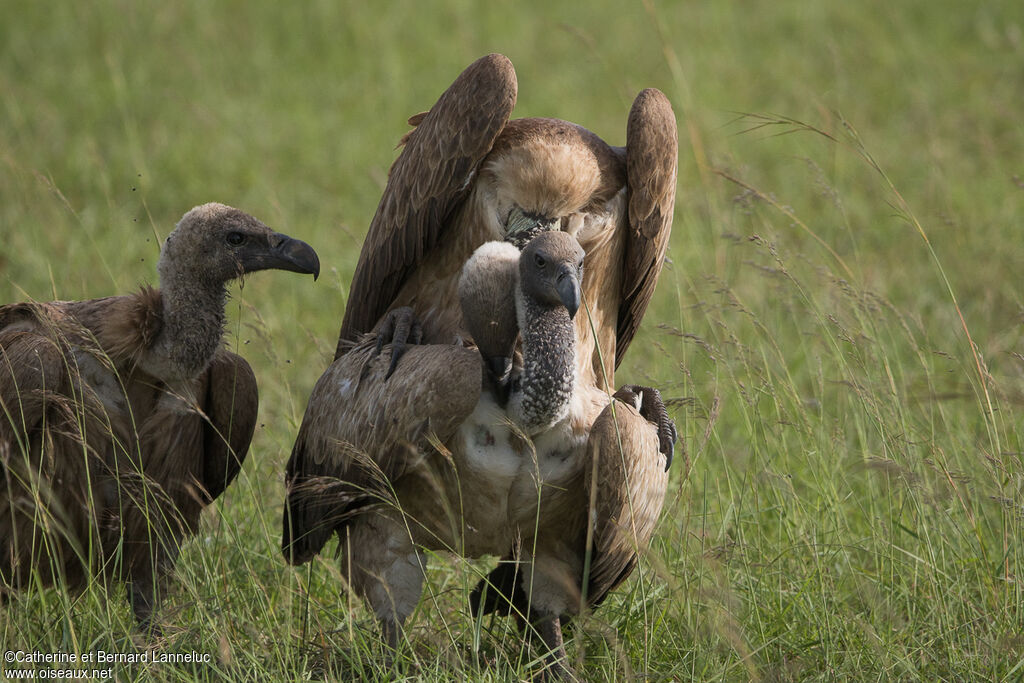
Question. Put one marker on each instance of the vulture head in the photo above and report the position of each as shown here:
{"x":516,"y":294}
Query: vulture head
{"x":542,"y":171}
{"x":503,"y":291}
{"x":217,"y":243}
{"x":551,"y":271}
{"x":487,"y":296}
{"x":211,"y":245}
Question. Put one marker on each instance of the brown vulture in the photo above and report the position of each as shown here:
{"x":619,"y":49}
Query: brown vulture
{"x":121,"y":418}
{"x":468,"y":175}
{"x":401,"y":434}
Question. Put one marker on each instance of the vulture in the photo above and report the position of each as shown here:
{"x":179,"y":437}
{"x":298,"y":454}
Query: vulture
{"x":466,"y":451}
{"x":121,"y":418}
{"x":384,"y":434}
{"x":468,"y":175}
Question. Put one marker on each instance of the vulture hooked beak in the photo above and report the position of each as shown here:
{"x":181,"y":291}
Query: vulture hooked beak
{"x":522,"y":226}
{"x":499,"y":367}
{"x":285,"y":253}
{"x":568,"y":287}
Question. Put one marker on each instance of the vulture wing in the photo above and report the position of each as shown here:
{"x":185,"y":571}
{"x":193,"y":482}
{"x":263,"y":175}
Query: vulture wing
{"x":42,"y":411}
{"x":232,"y":402}
{"x":362,"y":433}
{"x":627,"y":479}
{"x":425,"y":186}
{"x":32,"y":370}
{"x":651,"y":160}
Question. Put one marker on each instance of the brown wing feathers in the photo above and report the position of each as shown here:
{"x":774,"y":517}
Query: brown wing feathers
{"x":125,"y":415}
{"x":427,"y":181}
{"x":231,"y":407}
{"x":347,"y":459}
{"x":651,"y":160}
{"x":627,"y":469}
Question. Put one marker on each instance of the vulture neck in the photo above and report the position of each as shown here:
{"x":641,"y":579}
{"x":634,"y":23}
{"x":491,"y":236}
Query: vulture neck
{"x":541,"y":393}
{"x":193,"y":324}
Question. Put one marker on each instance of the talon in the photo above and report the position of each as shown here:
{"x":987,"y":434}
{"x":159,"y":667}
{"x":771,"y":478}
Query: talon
{"x":626,"y":394}
{"x":399,"y":328}
{"x":652,"y":408}
{"x":397,"y":349}
{"x":386,"y":332}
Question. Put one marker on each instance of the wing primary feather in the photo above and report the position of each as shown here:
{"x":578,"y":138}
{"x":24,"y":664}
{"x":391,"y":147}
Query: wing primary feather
{"x":426,"y":185}
{"x":651,"y":160}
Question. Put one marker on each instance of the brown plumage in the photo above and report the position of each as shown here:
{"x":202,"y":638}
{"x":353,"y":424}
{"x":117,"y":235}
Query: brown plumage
{"x":468,"y":175}
{"x":621,"y":488}
{"x":429,"y":459}
{"x":122,"y":417}
{"x":364,"y":439}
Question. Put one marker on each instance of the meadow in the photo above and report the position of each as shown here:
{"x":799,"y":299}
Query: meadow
{"x":838,"y":329}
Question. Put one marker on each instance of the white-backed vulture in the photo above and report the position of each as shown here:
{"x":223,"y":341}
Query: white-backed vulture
{"x":438,"y":455}
{"x":468,"y":175}
{"x":122,"y":417}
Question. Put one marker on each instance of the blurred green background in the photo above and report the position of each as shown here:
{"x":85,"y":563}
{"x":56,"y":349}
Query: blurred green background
{"x":854,"y":505}
{"x":118,"y":117}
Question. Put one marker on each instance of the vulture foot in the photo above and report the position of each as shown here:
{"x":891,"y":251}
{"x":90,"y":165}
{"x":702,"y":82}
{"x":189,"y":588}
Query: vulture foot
{"x":399,"y":328}
{"x":143,"y":598}
{"x":557,"y":667}
{"x":391,"y":634}
{"x":648,"y":401}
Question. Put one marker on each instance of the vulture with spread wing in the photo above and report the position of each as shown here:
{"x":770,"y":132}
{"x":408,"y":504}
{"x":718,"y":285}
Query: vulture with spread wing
{"x":468,"y":175}
{"x":121,"y":418}
{"x":443,"y":434}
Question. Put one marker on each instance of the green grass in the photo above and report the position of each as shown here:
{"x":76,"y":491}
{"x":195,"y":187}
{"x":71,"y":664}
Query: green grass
{"x":854,"y":508}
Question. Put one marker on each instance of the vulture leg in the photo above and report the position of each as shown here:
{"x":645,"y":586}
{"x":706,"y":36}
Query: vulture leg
{"x":144,"y":597}
{"x":398,"y":328}
{"x":389,"y":577}
{"x":549,"y":627}
{"x":149,"y":575}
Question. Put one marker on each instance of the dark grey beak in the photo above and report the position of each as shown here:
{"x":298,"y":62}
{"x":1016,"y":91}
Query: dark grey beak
{"x":523,"y":226}
{"x":499,"y":367}
{"x":289,"y":254}
{"x":568,"y":288}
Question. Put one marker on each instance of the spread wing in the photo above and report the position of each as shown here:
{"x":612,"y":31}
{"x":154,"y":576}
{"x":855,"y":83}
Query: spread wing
{"x":627,"y":479}
{"x":361,"y":432}
{"x":230,"y":409}
{"x":427,"y":182}
{"x":651,"y":160}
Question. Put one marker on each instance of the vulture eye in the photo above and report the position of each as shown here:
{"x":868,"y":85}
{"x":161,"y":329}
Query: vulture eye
{"x":539,"y":260}
{"x":235,"y":238}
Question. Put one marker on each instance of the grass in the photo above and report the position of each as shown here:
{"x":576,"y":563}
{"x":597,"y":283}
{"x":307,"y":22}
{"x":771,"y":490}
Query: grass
{"x":839,"y":328}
